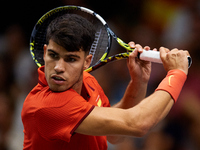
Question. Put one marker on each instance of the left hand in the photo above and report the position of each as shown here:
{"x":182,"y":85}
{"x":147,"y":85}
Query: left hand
{"x":139,"y":70}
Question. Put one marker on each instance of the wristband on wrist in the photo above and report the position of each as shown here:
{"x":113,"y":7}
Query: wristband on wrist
{"x":173,"y":83}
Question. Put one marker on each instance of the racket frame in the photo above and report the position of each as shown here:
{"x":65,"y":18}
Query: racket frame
{"x":104,"y":59}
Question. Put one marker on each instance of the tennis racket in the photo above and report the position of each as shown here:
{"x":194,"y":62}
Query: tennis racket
{"x":101,"y":45}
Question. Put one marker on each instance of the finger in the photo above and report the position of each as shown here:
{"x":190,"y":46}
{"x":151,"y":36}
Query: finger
{"x":185,"y":52}
{"x":188,"y":54}
{"x":134,"y":53}
{"x":174,"y":50}
{"x":155,"y":49}
{"x":163,"y":52}
{"x":166,"y":50}
{"x":131,"y":44}
{"x":139,"y":48}
{"x":146,"y":48}
{"x":131,"y":59}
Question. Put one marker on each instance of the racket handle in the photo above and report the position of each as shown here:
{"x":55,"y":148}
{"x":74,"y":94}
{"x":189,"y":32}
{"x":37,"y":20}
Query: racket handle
{"x":154,"y":56}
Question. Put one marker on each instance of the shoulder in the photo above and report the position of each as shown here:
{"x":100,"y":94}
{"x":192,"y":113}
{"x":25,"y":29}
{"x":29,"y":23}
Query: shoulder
{"x":89,"y":79}
{"x":94,"y":88}
{"x":86,"y":75}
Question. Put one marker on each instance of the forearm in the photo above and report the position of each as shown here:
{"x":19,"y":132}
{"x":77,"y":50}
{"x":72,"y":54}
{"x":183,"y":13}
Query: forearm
{"x":154,"y":108}
{"x":138,"y":120}
{"x":144,"y":116}
{"x":135,"y":121}
{"x":150,"y":111}
{"x":134,"y":93}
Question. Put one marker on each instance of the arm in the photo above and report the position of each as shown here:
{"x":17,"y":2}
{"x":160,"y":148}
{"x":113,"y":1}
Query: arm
{"x":140,"y":73}
{"x":137,"y":120}
{"x":136,"y":90}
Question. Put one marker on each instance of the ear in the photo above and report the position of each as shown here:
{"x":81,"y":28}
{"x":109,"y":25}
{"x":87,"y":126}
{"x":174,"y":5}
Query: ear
{"x":45,"y":50}
{"x":87,"y":62}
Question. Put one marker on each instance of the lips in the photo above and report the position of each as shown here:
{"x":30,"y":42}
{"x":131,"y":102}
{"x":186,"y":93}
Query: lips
{"x":58,"y":79}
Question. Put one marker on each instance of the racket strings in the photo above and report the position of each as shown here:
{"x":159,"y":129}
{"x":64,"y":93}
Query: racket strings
{"x":98,"y":48}
{"x":94,"y":44}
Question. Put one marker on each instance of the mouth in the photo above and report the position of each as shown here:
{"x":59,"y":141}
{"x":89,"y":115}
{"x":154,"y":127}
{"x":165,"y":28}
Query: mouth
{"x":58,"y":79}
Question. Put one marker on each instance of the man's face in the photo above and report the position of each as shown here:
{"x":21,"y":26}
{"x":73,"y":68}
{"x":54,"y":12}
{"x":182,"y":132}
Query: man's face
{"x":64,"y":69}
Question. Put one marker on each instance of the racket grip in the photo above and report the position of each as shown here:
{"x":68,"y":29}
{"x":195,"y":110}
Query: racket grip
{"x":154,"y":56}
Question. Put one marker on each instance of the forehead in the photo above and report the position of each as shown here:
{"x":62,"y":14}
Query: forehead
{"x":53,"y":46}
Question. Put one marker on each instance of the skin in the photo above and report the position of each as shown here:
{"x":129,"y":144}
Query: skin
{"x":135,"y":120}
{"x":64,"y":69}
{"x":134,"y":115}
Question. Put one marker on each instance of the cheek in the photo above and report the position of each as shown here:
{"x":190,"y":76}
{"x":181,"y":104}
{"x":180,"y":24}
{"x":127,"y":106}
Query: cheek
{"x":49,"y":69}
{"x":75,"y":71}
{"x":46,"y":72}
{"x":75,"y":67}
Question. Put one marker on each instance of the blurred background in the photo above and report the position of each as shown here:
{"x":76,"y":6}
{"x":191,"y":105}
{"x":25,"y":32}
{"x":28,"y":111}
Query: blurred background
{"x":156,"y":23}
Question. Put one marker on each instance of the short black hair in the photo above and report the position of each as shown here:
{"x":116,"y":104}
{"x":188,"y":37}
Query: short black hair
{"x":72,"y":32}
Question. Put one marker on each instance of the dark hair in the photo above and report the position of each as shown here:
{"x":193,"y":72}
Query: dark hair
{"x":72,"y":32}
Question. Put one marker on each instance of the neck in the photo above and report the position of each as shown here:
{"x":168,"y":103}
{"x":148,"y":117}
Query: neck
{"x":78,"y":85}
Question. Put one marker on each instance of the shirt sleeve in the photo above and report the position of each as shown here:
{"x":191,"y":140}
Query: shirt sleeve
{"x":60,"y":122}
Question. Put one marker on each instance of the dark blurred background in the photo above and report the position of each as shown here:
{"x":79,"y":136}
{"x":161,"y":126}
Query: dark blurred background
{"x":156,"y":23}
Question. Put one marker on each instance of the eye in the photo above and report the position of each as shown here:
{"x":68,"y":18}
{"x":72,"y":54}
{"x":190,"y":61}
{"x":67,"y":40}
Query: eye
{"x":53,"y":55}
{"x":70,"y":59}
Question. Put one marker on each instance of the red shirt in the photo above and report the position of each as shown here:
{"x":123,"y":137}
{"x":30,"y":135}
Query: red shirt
{"x":50,"y":118}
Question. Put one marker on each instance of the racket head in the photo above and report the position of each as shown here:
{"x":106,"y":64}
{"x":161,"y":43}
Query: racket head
{"x":100,"y":47}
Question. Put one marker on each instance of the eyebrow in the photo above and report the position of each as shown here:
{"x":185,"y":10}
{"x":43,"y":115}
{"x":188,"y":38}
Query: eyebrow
{"x":68,"y":55}
{"x":50,"y":50}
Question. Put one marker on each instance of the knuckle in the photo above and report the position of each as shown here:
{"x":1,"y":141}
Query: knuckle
{"x":138,"y":45}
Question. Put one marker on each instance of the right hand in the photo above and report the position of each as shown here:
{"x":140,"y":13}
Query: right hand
{"x":174,"y":59}
{"x":139,"y":70}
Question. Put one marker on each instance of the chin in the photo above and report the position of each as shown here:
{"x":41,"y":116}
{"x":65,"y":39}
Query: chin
{"x":58,"y":88}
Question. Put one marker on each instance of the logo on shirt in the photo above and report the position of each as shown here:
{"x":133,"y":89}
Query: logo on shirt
{"x":98,"y":100}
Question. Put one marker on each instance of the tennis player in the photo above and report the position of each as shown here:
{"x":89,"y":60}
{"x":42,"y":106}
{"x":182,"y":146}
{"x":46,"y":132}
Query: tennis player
{"x":68,"y":110}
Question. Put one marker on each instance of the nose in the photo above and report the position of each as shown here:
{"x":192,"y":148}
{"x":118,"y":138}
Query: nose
{"x":60,"y":66}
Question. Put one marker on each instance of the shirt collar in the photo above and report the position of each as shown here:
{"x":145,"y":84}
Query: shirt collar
{"x":42,"y":78}
{"x":87,"y":85}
